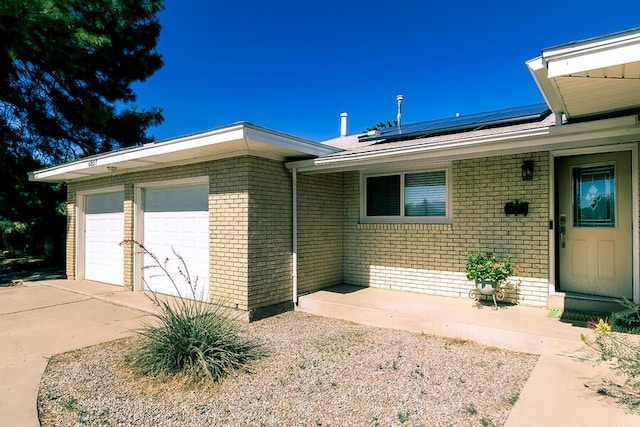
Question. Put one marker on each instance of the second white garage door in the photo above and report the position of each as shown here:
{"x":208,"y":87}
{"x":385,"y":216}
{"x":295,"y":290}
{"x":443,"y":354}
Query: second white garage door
{"x":177,"y":218}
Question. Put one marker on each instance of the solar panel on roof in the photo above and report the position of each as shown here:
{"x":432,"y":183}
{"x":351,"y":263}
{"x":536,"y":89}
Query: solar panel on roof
{"x":507,"y":116}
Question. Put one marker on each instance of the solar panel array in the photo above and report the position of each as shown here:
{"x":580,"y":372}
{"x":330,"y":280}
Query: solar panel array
{"x":507,"y":116}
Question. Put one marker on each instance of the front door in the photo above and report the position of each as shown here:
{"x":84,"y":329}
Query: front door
{"x":594,"y":224}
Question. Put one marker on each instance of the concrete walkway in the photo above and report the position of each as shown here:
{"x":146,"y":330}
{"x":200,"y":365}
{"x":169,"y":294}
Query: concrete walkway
{"x":41,"y":319}
{"x":554,"y":395}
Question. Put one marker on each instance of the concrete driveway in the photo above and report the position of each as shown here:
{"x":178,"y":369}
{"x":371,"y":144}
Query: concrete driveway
{"x":40,"y":319}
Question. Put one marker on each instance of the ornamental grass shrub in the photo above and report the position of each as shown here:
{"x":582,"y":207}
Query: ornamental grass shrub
{"x":194,"y":340}
{"x":191,"y":339}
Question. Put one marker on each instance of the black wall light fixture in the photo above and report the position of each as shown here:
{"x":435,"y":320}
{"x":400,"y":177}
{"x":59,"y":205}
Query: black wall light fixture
{"x":527,"y":170}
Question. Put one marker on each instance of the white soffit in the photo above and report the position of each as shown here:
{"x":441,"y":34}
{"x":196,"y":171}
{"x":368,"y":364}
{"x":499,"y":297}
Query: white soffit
{"x":591,"y":77}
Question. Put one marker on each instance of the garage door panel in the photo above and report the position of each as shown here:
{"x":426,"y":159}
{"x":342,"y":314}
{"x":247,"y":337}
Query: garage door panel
{"x":183,"y":199}
{"x":104,"y":203}
{"x":177,"y":219}
{"x":104,"y":231}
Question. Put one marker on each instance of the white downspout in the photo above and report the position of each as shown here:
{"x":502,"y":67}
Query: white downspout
{"x":294,"y":227}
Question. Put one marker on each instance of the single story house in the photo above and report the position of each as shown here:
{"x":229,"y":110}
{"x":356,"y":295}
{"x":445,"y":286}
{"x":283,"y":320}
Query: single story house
{"x":261,"y":217}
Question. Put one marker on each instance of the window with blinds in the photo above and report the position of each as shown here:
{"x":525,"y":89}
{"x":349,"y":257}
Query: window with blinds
{"x":406,"y":197}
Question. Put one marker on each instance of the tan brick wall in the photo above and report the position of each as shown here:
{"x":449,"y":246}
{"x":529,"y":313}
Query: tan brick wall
{"x":229,"y":247}
{"x":228,"y":214}
{"x":430,"y":257}
{"x":320,"y":213}
{"x":250,"y":236}
{"x":129,"y":250}
{"x":270,"y":233}
{"x":70,"y":254}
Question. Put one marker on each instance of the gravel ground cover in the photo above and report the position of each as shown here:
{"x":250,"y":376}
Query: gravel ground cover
{"x":316,"y":372}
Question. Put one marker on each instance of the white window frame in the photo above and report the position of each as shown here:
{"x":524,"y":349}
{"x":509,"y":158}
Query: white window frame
{"x":401,"y":219}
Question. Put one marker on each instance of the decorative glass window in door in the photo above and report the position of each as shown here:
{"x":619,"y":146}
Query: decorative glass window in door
{"x":594,"y":196}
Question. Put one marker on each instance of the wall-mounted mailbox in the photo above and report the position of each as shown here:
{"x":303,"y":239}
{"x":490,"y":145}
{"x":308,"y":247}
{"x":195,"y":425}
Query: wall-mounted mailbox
{"x":516,"y":208}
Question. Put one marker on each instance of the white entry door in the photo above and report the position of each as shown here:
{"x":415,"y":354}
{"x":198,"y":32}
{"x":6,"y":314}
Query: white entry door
{"x":595,"y":224}
{"x":177,"y":219}
{"x":103,"y":233}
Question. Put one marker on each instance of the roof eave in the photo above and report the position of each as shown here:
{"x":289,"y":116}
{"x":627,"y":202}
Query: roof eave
{"x":597,"y":52}
{"x":228,"y":141}
{"x":548,"y":138}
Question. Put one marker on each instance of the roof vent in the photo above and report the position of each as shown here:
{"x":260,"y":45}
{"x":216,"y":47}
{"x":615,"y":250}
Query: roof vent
{"x":399,"y":98}
{"x":343,"y":125}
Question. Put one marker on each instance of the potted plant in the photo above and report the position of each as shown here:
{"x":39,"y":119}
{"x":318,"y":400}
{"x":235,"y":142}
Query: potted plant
{"x":487,"y":271}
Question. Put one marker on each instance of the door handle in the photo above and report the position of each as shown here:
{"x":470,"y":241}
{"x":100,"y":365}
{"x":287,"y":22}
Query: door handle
{"x":563,"y":230}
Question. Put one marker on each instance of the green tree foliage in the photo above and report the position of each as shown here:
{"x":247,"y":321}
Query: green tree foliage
{"x":66,"y":69}
{"x":29,"y":211}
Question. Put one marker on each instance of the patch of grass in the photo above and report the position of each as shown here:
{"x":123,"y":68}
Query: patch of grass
{"x":511,"y":400}
{"x":470,"y":409}
{"x":403,"y":416}
{"x":486,"y":422}
{"x":417,"y":373}
{"x":71,"y":405}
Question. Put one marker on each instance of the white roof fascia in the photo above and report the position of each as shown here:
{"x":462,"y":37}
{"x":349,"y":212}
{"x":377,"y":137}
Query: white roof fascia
{"x":251,"y":134}
{"x":538,"y":70}
{"x":601,"y":52}
{"x":617,"y":130}
{"x":112,"y":158}
{"x":283,"y":140}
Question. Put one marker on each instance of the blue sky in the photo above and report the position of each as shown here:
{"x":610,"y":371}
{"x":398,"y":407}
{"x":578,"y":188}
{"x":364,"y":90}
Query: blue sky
{"x":294,"y":66}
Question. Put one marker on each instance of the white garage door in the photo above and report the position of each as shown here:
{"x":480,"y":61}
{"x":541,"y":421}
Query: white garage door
{"x":104,"y":230}
{"x":177,"y":219}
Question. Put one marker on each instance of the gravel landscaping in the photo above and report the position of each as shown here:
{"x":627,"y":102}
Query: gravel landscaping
{"x":315,"y":372}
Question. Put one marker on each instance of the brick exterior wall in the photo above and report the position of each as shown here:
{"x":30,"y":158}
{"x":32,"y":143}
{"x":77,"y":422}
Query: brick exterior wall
{"x":430,"y":258}
{"x":270,"y":233}
{"x":250,"y":232}
{"x":320,"y":217}
{"x":229,"y":246}
{"x":70,"y":248}
{"x":250,"y":227}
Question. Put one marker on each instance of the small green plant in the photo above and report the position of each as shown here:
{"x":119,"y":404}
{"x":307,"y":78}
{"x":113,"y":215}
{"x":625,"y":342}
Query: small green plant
{"x":601,"y":326}
{"x":193,"y":339}
{"x":511,"y":400}
{"x":627,"y":320}
{"x":417,"y":373}
{"x":470,"y":409}
{"x":481,"y":266}
{"x":71,"y":405}
{"x":403,"y":417}
{"x":486,"y":422}
{"x":617,"y":348}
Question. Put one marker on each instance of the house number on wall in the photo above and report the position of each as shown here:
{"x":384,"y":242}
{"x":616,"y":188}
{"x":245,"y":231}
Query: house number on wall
{"x":92,"y":163}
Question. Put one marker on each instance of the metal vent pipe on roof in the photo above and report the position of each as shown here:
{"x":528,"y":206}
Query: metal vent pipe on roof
{"x":399,"y":98}
{"x":343,"y":124}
